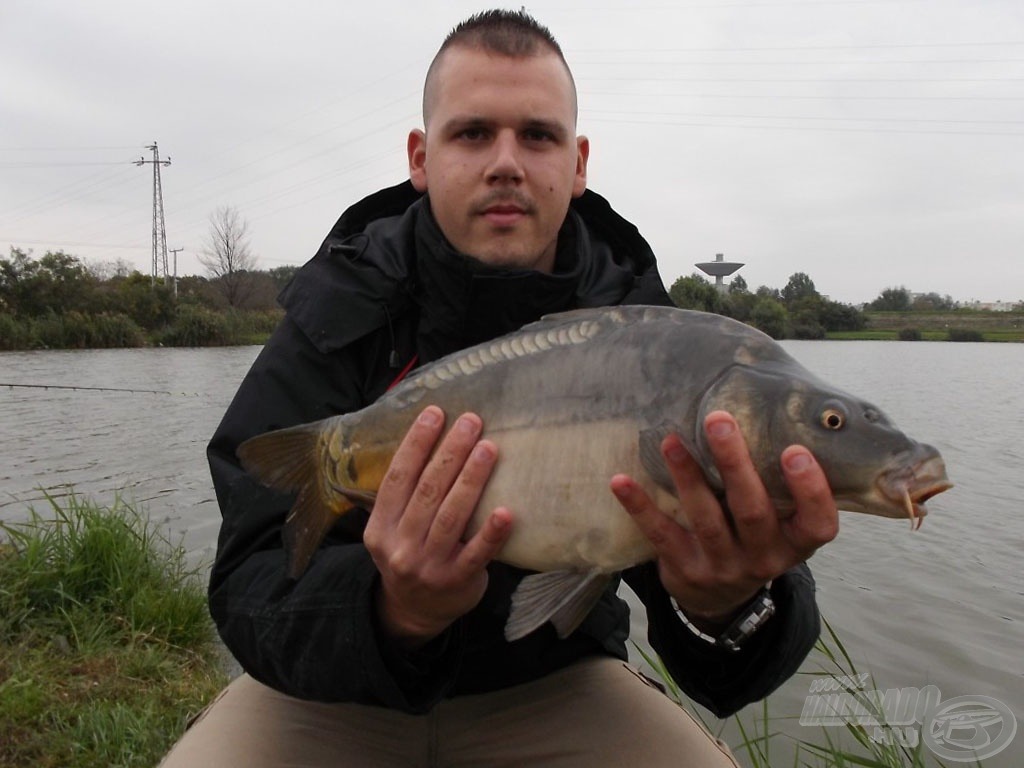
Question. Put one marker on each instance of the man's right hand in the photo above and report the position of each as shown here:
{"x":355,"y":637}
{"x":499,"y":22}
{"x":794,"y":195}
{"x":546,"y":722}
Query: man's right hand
{"x":429,"y":575}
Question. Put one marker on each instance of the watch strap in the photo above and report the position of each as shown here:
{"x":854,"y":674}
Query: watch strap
{"x":750,"y":619}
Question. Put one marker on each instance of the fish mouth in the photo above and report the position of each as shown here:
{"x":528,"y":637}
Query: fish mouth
{"x":909,"y":486}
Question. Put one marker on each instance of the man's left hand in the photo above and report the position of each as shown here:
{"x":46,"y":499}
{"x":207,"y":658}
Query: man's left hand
{"x":717,"y":566}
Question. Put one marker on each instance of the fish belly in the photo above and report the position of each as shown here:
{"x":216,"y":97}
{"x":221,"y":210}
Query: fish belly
{"x":555,"y":480}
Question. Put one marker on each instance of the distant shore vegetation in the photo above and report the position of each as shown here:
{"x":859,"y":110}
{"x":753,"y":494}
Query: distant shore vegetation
{"x":799,"y":311}
{"x":59,"y":301}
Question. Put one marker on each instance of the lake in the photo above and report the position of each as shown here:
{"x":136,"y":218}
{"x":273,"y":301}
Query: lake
{"x":941,"y":606}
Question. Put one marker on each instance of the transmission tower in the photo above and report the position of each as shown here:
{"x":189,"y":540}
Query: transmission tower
{"x":159,"y":228}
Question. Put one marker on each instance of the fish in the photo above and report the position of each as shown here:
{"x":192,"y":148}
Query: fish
{"x":577,"y":397}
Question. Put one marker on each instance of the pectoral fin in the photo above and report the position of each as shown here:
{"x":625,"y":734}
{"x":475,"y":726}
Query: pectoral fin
{"x":562,"y":597}
{"x":654,"y":463}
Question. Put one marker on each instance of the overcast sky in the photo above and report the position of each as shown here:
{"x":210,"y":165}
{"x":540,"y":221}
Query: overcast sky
{"x":868,"y":143}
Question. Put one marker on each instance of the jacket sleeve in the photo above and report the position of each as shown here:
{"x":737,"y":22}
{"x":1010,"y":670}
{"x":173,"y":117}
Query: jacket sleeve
{"x":314,"y":638}
{"x":721,"y":680}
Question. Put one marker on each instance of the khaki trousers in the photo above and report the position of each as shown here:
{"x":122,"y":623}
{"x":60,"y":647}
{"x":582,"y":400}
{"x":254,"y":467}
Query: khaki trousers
{"x":598,"y":713}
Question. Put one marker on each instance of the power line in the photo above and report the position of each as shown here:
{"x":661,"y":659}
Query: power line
{"x":784,"y":97}
{"x":825,"y":129}
{"x":70,"y":243}
{"x":20,"y":164}
{"x":64,"y":149}
{"x":72,"y":191}
{"x":759,"y":48}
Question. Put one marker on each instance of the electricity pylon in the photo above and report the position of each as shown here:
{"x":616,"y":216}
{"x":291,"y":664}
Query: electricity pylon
{"x":159,"y":227}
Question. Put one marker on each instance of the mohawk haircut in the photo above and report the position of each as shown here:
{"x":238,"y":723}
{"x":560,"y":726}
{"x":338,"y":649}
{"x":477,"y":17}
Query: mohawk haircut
{"x":515,"y":34}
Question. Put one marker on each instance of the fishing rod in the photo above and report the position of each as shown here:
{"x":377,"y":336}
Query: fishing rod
{"x":12,"y":385}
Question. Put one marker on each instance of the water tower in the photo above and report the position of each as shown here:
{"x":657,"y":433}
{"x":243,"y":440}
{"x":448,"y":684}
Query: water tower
{"x":719,"y":269}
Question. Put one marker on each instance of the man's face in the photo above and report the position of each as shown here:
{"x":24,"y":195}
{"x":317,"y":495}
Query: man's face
{"x":500,"y":156}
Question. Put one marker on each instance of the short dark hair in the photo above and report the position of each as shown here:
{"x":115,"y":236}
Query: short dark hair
{"x":508,"y":33}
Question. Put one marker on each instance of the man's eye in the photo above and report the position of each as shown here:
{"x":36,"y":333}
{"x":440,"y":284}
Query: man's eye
{"x":473,"y":134}
{"x":538,"y":136}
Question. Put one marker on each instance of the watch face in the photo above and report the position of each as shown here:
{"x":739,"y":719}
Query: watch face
{"x":748,"y":622}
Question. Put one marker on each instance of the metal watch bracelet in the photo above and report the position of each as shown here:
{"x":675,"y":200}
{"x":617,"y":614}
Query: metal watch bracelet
{"x":749,"y":620}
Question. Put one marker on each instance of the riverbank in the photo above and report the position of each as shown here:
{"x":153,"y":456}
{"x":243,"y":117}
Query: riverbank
{"x":106,"y":647}
{"x":959,"y":325}
{"x":106,"y":651}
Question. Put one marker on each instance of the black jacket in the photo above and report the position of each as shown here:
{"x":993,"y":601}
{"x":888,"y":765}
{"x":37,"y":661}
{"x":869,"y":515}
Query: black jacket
{"x":385,"y":289}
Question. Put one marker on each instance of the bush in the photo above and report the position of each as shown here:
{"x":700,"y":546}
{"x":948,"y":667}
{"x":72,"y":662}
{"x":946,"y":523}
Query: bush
{"x":195,"y":326}
{"x":14,"y":333}
{"x":115,"y":330}
{"x":965,"y":334}
{"x":909,"y":334}
{"x":808,"y":328}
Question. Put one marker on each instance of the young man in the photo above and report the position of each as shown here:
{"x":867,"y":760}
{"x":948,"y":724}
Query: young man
{"x":389,"y":649}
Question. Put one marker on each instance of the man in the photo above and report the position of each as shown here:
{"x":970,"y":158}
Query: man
{"x":389,"y":649}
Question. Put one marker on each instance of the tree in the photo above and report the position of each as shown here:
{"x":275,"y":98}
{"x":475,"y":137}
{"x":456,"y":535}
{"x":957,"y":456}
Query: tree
{"x":800,"y":286}
{"x":769,"y":316}
{"x":58,"y":283}
{"x":694,"y":292}
{"x":282,"y":275}
{"x":932,"y":302}
{"x":841,"y":317}
{"x":104,"y":271}
{"x":738,"y":285}
{"x":227,"y":257}
{"x":892,"y":300}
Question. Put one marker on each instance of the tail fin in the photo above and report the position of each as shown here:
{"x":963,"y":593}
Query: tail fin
{"x":290,"y":460}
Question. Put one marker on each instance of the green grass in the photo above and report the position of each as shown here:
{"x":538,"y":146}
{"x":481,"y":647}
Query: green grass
{"x":106,"y":648}
{"x":762,"y":742}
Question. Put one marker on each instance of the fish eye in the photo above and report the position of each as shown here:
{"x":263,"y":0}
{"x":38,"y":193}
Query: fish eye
{"x":832,"y":418}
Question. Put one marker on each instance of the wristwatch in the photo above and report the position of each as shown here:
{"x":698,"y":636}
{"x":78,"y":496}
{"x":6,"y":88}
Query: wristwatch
{"x":750,"y":619}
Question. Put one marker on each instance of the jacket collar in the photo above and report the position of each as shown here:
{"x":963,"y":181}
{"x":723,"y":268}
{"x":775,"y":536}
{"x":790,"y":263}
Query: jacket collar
{"x":366,"y":274}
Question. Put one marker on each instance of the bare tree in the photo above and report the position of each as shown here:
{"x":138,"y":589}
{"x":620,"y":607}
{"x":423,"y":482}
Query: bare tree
{"x":227,"y":257}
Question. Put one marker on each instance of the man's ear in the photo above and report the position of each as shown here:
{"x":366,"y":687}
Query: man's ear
{"x":579,"y":185}
{"x":416,"y":148}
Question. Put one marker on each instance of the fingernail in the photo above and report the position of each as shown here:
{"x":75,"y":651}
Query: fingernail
{"x":483,"y":452}
{"x":798,"y":461}
{"x":430,"y":417}
{"x":622,"y":487}
{"x":676,"y":453}
{"x":466,"y":425}
{"x":721,"y":428}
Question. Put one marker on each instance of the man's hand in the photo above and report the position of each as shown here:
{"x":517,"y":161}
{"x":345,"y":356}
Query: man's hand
{"x":429,"y":576}
{"x":718,"y":566}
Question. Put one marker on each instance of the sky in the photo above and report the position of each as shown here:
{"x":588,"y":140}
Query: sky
{"x":867,"y":143}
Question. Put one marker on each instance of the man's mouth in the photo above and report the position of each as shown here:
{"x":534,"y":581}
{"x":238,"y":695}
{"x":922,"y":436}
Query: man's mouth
{"x":504,"y":215}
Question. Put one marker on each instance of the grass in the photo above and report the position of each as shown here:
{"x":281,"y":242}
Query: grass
{"x":106,"y":648}
{"x":956,"y":325}
{"x":763,"y":743}
{"x":106,"y":651}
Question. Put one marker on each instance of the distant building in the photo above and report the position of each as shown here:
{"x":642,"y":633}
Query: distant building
{"x":993,"y":306}
{"x":719,"y":269}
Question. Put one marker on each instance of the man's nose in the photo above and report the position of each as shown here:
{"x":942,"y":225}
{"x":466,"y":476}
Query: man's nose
{"x":505,"y":163}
